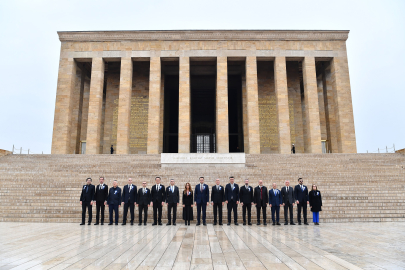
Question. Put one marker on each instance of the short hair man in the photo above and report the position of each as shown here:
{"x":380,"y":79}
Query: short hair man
{"x":144,"y":200}
{"x":287,"y":194}
{"x":275,"y":201}
{"x":129,"y":200}
{"x":114,"y":201}
{"x":232,"y":200}
{"x":101,"y":200}
{"x":158,"y":199}
{"x":201,"y":199}
{"x":261,"y":200}
{"x":217,"y":200}
{"x":246,"y":200}
{"x":86,"y":200}
{"x":302,"y":200}
{"x":172,"y":201}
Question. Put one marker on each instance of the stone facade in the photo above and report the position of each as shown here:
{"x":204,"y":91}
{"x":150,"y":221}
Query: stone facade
{"x":295,"y":90}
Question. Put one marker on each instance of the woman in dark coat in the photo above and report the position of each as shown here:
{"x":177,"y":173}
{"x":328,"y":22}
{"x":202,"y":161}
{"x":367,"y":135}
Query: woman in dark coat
{"x":315,"y":202}
{"x":187,"y":204}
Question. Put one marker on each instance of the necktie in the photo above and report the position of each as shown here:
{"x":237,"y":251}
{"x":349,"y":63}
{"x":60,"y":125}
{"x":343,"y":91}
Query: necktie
{"x":201,"y":188}
{"x":87,"y":188}
{"x":172,"y":189}
{"x":144,"y":190}
{"x":287,"y":189}
{"x":100,"y":187}
{"x":261,"y":193}
{"x":302,"y":187}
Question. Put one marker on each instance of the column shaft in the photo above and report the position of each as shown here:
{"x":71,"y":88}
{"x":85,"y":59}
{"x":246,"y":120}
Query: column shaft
{"x":283,"y":116}
{"x":63,"y":106}
{"x":330,"y":111}
{"x":252,"y":105}
{"x":313,"y":129}
{"x":184,"y":105}
{"x":343,"y":110}
{"x":95,"y":107}
{"x":124,"y":106}
{"x":222,"y":127}
{"x":154,"y":106}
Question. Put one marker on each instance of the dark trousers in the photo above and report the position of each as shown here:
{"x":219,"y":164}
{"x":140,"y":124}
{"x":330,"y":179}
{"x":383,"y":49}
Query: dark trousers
{"x":89,"y":207}
{"x":218,"y":209}
{"x":171,"y":206}
{"x":275,"y":210}
{"x":113,"y":207}
{"x":203,"y":207}
{"x":261,"y":206}
{"x":247,"y":207}
{"x":144,"y":208}
{"x":287,"y":207}
{"x":131,"y":207}
{"x":304,"y":209}
{"x":157,"y":207}
{"x":188,"y":212}
{"x":232,"y":206}
{"x":100,"y":207}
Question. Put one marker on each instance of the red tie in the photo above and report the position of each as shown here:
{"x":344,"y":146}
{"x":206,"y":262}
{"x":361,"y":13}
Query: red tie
{"x":261,"y":194}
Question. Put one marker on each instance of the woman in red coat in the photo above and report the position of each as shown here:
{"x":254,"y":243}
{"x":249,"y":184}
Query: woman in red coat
{"x":315,"y":202}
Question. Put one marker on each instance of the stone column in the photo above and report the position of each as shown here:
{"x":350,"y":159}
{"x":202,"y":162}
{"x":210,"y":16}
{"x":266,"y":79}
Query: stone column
{"x":252,"y":105}
{"x":346,"y":137}
{"x":313,"y":129}
{"x":124,"y":106}
{"x":222,"y":129}
{"x":283,"y":116}
{"x":184,"y":105}
{"x":329,"y":110}
{"x":95,"y":107}
{"x":154,"y":105}
{"x":63,"y":106}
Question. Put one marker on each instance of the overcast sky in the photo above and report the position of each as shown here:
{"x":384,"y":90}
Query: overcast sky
{"x":30,"y":53}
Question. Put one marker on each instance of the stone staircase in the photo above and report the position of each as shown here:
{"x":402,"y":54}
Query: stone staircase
{"x":355,"y":187}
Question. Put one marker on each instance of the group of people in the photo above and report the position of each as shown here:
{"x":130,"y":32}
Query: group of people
{"x":233,"y":195}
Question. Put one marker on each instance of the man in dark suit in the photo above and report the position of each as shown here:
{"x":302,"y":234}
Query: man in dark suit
{"x":287,"y":194}
{"x":301,"y":198}
{"x":275,"y":201}
{"x":158,"y":199}
{"x":172,"y":201}
{"x":129,"y":200}
{"x":114,"y":201}
{"x":217,"y":200}
{"x":143,"y":200}
{"x":86,"y":200}
{"x":261,"y":199}
{"x":246,"y":200}
{"x":201,"y":199}
{"x":101,"y":200}
{"x":232,"y":200}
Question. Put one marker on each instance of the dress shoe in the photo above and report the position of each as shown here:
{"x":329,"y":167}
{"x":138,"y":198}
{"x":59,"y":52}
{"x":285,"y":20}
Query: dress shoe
{"x":258,"y":223}
{"x":102,"y":223}
{"x":198,"y":224}
{"x":286,"y":223}
{"x":160,"y":224}
{"x":317,"y":223}
{"x":205,"y":224}
{"x":185,"y":223}
{"x":215,"y":223}
{"x":168,"y":224}
{"x":244,"y":223}
{"x":306,"y":223}
{"x":123,"y":224}
{"x":278,"y":223}
{"x":132,"y":223}
{"x":110,"y":223}
{"x":116,"y":223}
{"x":154,"y":224}
{"x":189,"y":223}
{"x":299,"y":223}
{"x":236,"y":223}
{"x":81,"y":224}
{"x":144,"y":224}
{"x":265,"y":224}
{"x":88,"y":223}
{"x":274,"y":224}
{"x":95,"y":223}
{"x":174,"y":224}
{"x":220,"y":224}
{"x":139,"y":224}
{"x":292,"y":223}
{"x":229,"y":224}
{"x":250,"y":223}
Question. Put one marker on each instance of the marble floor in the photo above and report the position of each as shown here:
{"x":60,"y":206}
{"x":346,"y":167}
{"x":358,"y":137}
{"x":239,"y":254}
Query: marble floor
{"x":328,"y":246}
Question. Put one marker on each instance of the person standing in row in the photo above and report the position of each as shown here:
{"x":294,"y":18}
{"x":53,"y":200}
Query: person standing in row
{"x":201,"y":199}
{"x":86,"y":200}
{"x":315,"y":202}
{"x":301,"y":198}
{"x":129,"y":200}
{"x":144,"y":199}
{"x":158,"y":199}
{"x":287,"y":194}
{"x":217,"y":200}
{"x":187,"y":204}
{"x":114,"y":202}
{"x":101,"y":200}
{"x":261,"y":199}
{"x":246,"y":200}
{"x":172,"y":201}
{"x":275,"y":201}
{"x":232,"y":199}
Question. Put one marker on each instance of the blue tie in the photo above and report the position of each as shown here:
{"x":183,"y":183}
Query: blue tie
{"x":87,"y":188}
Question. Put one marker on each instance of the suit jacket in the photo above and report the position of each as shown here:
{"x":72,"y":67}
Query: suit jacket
{"x":172,"y":197}
{"x":188,"y":199}
{"x":301,"y":195}
{"x":201,"y":197}
{"x":275,"y":200}
{"x":229,"y":192}
{"x":246,"y":195}
{"x":287,"y":197}
{"x":114,"y":196}
{"x":129,"y":196}
{"x":217,"y":195}
{"x":264,"y":193}
{"x":144,"y":198}
{"x":101,"y":194}
{"x":158,"y":196}
{"x":87,"y":193}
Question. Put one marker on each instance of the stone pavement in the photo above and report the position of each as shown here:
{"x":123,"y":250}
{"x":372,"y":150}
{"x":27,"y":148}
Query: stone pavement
{"x":328,"y":246}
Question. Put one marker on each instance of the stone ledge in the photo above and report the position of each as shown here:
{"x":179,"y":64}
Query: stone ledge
{"x":201,"y":35}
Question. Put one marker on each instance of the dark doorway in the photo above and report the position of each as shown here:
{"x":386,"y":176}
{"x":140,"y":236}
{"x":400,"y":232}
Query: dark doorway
{"x":235,"y":106}
{"x":171,"y":107}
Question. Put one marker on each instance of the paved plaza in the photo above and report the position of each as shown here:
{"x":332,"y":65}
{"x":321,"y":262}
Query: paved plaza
{"x":328,"y":246}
